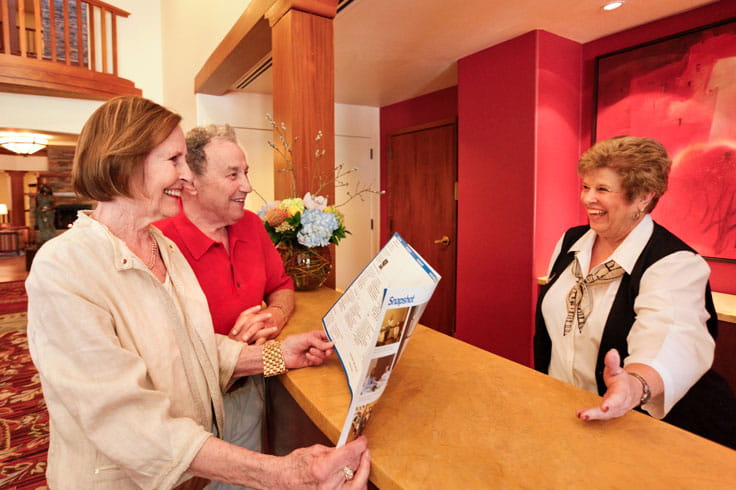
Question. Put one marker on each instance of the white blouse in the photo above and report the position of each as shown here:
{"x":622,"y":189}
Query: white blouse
{"x":669,"y":333}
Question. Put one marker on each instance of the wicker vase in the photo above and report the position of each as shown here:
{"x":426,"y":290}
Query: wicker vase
{"x":308,"y":267}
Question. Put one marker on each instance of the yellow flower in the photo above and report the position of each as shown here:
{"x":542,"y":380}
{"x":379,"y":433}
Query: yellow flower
{"x":292,"y":206}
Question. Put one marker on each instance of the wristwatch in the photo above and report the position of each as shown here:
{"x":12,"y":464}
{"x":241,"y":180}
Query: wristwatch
{"x":646,"y":393}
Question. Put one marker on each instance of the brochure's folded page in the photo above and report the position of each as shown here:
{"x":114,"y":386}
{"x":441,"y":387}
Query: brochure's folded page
{"x":372,"y":322}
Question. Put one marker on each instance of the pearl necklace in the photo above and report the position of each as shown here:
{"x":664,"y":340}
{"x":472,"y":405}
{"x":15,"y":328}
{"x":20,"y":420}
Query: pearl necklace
{"x":154,"y":252}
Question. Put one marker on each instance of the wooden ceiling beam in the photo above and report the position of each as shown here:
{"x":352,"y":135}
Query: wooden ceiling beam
{"x":249,"y":42}
{"x":240,"y":51}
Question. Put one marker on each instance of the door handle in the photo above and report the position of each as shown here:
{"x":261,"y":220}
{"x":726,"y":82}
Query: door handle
{"x":445,"y":240}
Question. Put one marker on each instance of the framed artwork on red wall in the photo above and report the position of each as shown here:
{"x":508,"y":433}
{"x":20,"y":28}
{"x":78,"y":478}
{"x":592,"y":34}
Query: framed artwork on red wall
{"x":681,"y":91}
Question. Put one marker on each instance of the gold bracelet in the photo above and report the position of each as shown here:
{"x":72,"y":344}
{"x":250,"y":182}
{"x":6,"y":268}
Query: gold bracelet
{"x":273,"y":359}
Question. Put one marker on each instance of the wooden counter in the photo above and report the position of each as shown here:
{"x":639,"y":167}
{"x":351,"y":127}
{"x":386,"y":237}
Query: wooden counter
{"x":725,"y":306}
{"x":455,"y":416}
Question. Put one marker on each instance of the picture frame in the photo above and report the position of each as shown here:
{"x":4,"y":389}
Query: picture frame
{"x":681,"y":91}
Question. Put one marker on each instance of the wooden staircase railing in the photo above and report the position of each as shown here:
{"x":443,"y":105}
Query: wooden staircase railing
{"x":68,"y":48}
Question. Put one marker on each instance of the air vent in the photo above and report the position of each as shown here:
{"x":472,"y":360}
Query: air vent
{"x":342,"y":4}
{"x":256,"y":72}
{"x":266,"y":63}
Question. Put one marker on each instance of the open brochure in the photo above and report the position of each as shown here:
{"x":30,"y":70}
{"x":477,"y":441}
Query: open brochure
{"x":372,"y":322}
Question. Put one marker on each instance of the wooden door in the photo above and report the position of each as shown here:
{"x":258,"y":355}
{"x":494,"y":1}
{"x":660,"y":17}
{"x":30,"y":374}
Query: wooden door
{"x":422,"y":207}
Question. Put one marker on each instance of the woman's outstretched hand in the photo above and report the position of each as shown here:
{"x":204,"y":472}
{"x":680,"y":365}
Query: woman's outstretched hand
{"x":622,"y":394}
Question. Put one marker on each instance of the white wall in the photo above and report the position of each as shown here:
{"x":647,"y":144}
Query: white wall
{"x":191,"y":31}
{"x":140,"y":52}
{"x":357,"y":129}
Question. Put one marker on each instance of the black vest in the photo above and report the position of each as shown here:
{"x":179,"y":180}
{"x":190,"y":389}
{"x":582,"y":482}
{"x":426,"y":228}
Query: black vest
{"x":708,"y":408}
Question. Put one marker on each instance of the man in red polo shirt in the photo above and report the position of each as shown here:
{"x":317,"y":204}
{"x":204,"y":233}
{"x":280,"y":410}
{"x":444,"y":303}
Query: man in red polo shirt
{"x":235,"y":261}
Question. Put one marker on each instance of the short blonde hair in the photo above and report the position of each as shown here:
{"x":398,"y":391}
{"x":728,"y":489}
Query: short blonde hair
{"x":198,"y":138}
{"x":642,"y":163}
{"x":114,"y":143}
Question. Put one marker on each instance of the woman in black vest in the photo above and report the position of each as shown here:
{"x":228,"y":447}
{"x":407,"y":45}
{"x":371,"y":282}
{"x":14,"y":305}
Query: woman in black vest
{"x":625,"y":289}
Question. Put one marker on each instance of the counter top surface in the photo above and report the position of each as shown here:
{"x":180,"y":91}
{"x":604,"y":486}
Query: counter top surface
{"x":455,"y":416}
{"x":725,"y":306}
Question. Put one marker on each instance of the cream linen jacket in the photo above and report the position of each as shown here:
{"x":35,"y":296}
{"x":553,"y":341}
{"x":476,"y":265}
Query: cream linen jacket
{"x":130,"y":374}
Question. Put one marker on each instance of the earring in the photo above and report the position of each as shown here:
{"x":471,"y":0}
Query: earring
{"x":637,"y":215}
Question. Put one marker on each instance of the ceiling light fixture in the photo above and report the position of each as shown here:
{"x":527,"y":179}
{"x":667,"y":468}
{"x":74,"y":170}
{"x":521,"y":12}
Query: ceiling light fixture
{"x":613,"y":5}
{"x":23,"y":143}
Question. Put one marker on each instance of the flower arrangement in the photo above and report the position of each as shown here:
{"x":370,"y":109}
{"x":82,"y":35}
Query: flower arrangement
{"x":307,"y":221}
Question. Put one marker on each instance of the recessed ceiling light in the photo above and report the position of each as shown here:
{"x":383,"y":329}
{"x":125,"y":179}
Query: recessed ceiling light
{"x":612,"y":5}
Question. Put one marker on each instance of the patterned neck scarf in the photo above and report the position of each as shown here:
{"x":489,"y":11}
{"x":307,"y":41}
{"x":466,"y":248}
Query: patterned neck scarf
{"x":605,"y":273}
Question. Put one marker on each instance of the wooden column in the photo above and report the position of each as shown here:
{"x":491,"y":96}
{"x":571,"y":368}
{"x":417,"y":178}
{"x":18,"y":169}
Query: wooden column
{"x":304,"y":92}
{"x":17,"y":216}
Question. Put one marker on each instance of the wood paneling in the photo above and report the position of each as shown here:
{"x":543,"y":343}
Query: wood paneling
{"x":22,"y":27}
{"x":242,"y":49}
{"x":52,"y":22}
{"x":4,"y":12}
{"x":303,"y":98}
{"x":323,"y":8}
{"x":37,"y":28}
{"x":17,"y":207}
{"x":67,"y":50}
{"x":40,"y":77}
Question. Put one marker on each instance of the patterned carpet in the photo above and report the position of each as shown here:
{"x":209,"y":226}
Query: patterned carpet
{"x":24,"y":421}
{"x":13,"y":297}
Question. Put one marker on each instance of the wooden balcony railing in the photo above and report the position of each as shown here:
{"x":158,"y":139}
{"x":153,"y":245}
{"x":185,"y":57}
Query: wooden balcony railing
{"x":67,"y":48}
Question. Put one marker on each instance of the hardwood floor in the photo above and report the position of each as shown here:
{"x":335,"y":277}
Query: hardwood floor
{"x":13,"y":268}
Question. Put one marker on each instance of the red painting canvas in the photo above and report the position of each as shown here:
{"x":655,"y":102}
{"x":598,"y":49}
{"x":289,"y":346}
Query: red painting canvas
{"x":682,"y":92}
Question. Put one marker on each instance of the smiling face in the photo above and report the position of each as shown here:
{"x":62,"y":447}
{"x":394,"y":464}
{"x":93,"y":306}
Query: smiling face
{"x":163,"y":170}
{"x":610,"y":214}
{"x":222,"y":188}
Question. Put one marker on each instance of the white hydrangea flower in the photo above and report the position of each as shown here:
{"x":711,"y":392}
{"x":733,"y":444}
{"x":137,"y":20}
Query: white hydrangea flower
{"x":315,"y":202}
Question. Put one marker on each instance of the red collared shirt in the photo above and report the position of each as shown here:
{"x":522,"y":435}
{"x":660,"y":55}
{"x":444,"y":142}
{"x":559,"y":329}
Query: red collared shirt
{"x":236,"y":281}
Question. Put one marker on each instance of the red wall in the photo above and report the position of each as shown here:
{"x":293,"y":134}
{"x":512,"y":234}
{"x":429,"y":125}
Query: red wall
{"x":496,"y":153}
{"x":723,"y":275}
{"x":519,"y":125}
{"x":558,"y":144}
{"x":524,"y":109}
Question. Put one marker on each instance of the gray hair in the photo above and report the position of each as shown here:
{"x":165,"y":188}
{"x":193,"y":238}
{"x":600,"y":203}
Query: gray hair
{"x":199,"y":137}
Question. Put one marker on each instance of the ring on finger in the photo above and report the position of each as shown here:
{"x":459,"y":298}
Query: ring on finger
{"x":348,"y":473}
